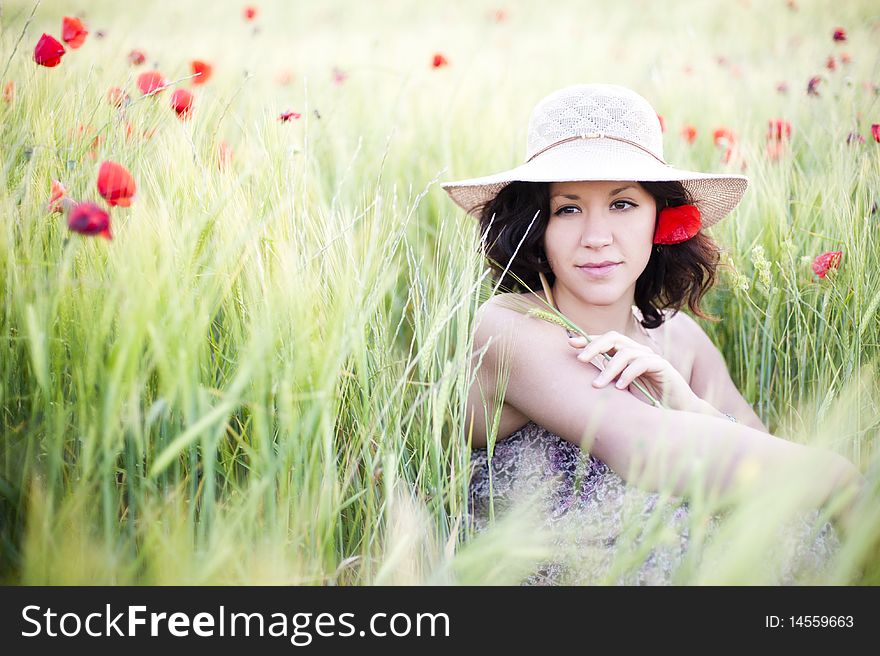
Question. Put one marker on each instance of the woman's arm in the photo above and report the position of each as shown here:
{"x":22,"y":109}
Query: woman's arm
{"x":648,"y":446}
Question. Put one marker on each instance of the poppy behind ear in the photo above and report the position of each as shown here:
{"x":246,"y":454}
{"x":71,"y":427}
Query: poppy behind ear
{"x":677,"y":224}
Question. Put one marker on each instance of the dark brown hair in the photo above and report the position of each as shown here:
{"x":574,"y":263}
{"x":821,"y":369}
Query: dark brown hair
{"x":675,"y":273}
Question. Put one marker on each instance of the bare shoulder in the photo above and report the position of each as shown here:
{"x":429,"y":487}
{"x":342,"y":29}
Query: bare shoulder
{"x":500,"y":320}
{"x":504,"y":311}
{"x":686,"y":333}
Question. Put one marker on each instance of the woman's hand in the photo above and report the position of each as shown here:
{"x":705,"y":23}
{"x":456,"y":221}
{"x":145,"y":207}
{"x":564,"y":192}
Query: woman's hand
{"x":631,"y":360}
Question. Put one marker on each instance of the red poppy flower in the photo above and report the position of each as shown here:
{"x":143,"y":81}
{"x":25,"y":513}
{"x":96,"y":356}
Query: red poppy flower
{"x":662,"y":123}
{"x":875,"y":131}
{"x":203,"y":69}
{"x":439,"y":60}
{"x":117,"y":97}
{"x":840,"y":34}
{"x":853,"y":137}
{"x":778,"y":129}
{"x":830,"y":64}
{"x":48,"y":51}
{"x":826,"y":261}
{"x":723,"y":137}
{"x":224,"y":155}
{"x":689,"y":133}
{"x":73,"y":32}
{"x":181,"y":102}
{"x":286,"y":116}
{"x":791,"y":5}
{"x":115,"y":184}
{"x":9,"y":91}
{"x":500,"y":16}
{"x":55,"y":196}
{"x":845,"y":58}
{"x":250,"y":12}
{"x":677,"y":224}
{"x":150,"y":82}
{"x":782,"y":87}
{"x":89,"y":219}
{"x":136,"y":57}
{"x":812,"y":85}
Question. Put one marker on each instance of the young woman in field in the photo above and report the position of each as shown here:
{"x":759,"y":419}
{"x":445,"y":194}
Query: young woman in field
{"x":605,"y":232}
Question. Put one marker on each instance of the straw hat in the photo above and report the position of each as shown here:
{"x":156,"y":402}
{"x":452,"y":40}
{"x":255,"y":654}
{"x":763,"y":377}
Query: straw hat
{"x":600,"y":132}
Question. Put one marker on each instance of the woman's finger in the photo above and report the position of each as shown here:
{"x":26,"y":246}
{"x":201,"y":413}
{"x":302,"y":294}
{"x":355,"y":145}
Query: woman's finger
{"x":633,"y":371}
{"x":615,"y":365}
{"x":601,"y":345}
{"x":611,"y":342}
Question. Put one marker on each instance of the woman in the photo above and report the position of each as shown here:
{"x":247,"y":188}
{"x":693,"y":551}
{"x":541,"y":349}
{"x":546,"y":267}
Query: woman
{"x":613,"y":236}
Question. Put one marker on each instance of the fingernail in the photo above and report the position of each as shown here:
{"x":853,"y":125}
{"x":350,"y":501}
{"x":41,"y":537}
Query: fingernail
{"x":620,"y":384}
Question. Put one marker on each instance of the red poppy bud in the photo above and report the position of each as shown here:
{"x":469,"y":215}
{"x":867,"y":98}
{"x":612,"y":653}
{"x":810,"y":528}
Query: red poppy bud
{"x":115,"y":184}
{"x":89,"y":219}
{"x":723,"y":137}
{"x":826,"y":261}
{"x":202,"y":70}
{"x":136,"y":57}
{"x":181,"y":102}
{"x":73,"y":32}
{"x":689,"y":133}
{"x":677,"y":224}
{"x":48,"y":51}
{"x":55,"y":196}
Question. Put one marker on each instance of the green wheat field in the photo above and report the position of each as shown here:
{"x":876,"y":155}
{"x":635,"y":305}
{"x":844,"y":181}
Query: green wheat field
{"x":261,"y":377}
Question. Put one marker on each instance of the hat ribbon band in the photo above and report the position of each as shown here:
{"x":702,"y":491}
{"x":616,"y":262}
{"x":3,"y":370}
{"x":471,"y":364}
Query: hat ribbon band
{"x":596,"y":135}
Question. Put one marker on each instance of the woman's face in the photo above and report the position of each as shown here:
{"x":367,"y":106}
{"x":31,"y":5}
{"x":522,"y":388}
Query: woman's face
{"x":591,"y":222}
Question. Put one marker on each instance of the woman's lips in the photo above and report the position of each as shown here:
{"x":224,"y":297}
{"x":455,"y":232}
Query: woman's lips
{"x":600,"y":272}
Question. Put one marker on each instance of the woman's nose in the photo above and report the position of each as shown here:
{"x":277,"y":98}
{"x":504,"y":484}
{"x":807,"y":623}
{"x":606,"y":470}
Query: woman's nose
{"x":596,"y":234}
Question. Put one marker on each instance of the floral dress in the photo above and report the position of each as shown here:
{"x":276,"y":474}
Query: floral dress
{"x":591,"y":511}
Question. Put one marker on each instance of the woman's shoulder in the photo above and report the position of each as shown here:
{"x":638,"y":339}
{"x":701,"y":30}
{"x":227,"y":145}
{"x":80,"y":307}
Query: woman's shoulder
{"x":505,"y":315}
{"x":683,"y":327}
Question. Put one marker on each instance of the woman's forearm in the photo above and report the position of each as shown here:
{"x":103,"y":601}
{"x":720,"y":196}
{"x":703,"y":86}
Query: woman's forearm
{"x":702,"y":406}
{"x":678,"y":447}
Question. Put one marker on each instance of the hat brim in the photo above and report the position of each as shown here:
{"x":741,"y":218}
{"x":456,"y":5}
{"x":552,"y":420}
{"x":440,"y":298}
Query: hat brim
{"x":715,"y":194}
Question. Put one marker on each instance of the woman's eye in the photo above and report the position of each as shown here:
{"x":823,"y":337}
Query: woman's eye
{"x":562,"y":209}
